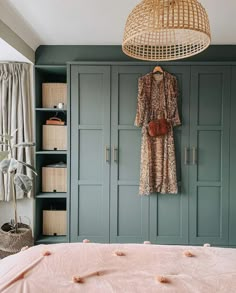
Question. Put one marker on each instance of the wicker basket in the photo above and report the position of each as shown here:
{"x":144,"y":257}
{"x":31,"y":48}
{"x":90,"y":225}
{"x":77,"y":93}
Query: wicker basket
{"x":12,"y":243}
{"x":54,"y":137}
{"x":54,"y":223}
{"x":54,"y":179}
{"x":53,"y":94}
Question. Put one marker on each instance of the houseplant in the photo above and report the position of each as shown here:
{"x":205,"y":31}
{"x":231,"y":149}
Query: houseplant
{"x":15,"y":235}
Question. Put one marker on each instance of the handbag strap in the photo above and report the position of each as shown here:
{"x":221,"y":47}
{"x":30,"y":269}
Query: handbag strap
{"x":55,"y":119}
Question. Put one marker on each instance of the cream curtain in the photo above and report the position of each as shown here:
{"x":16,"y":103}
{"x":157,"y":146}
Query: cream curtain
{"x":16,"y":113}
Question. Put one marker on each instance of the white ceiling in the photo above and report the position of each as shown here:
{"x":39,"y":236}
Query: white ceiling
{"x":93,"y":22}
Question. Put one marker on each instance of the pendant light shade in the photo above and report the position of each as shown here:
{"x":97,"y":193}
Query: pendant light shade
{"x":163,"y":30}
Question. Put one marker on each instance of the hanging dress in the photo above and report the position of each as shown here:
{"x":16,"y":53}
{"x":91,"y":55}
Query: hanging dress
{"x":157,"y":94}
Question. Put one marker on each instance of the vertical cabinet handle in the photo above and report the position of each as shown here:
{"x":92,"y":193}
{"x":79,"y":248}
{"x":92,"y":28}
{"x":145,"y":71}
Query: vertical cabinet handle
{"x":194,"y":149}
{"x":115,"y":154}
{"x":107,"y":154}
{"x":185,"y":155}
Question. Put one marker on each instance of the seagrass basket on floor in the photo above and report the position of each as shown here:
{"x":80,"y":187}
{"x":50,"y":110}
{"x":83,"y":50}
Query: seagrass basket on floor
{"x":15,"y":235}
{"x":11,"y":242}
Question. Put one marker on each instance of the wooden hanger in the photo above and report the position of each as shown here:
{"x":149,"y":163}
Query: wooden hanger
{"x":157,"y":69}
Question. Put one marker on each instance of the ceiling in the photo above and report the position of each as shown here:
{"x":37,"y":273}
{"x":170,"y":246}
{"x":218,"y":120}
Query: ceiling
{"x":93,"y":22}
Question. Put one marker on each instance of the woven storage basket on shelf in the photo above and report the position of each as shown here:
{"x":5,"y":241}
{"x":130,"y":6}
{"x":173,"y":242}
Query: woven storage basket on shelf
{"x":163,"y":30}
{"x":54,"y":137}
{"x":54,"y":179}
{"x":54,"y":222}
{"x":13,"y":242}
{"x":53,"y":94}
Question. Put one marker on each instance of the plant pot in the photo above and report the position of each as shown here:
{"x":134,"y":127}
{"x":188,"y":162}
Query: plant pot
{"x":12,"y":242}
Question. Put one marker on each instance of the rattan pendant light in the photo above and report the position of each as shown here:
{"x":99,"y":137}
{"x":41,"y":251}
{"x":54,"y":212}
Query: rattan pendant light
{"x":163,"y":30}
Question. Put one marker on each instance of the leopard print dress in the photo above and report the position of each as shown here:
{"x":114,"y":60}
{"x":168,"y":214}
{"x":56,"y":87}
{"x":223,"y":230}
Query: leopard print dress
{"x":157,"y":94}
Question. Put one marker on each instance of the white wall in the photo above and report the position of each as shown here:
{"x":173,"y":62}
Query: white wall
{"x":8,"y":53}
{"x":25,"y":209}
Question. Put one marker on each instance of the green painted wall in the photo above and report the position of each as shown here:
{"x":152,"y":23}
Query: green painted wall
{"x":59,"y":54}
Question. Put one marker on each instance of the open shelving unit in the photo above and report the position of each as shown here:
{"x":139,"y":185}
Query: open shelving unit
{"x":49,"y":200}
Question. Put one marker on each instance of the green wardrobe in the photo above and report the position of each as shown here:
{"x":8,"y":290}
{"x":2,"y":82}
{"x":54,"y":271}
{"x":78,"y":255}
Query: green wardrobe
{"x":105,"y":157}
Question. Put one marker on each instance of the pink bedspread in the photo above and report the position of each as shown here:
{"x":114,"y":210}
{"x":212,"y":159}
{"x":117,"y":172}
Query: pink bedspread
{"x":126,"y":268}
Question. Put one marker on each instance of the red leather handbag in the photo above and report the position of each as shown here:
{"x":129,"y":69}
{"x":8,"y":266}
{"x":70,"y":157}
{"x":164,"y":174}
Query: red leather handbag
{"x":158,"y":127}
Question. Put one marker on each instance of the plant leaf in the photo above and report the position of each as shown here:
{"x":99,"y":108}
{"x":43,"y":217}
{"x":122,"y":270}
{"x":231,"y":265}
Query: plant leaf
{"x":3,"y":155}
{"x":13,"y":165}
{"x":24,"y":144}
{"x":4,"y":165}
{"x":29,"y":166}
{"x":23,"y":182}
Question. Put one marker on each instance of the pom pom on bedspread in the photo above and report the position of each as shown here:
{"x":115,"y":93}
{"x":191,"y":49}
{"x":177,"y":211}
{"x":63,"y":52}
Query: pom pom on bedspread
{"x":77,"y":279}
{"x":46,"y":253}
{"x":86,"y":241}
{"x":206,"y":245}
{"x":162,"y":279}
{"x":119,"y":253}
{"x":147,"y":242}
{"x":188,"y":253}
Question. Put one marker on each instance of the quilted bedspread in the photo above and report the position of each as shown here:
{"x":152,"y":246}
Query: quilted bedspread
{"x":106,"y":268}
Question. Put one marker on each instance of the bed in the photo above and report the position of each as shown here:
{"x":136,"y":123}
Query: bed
{"x":126,"y":268}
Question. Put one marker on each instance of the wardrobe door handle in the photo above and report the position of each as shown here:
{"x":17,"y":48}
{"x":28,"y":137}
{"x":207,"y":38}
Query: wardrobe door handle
{"x":107,"y":154}
{"x":115,"y":154}
{"x":194,"y":149}
{"x":186,"y":156}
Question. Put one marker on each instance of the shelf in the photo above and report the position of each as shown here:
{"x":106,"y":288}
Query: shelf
{"x":49,"y":200}
{"x":51,"y":152}
{"x":50,"y":110}
{"x":51,"y":239}
{"x":51,"y":195}
{"x":52,"y":69}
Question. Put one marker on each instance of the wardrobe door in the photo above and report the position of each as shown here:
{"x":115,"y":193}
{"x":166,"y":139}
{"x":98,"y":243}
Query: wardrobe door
{"x":209,"y":165}
{"x":129,"y":210}
{"x":90,"y":149}
{"x":169,"y":212}
{"x":232,"y":206}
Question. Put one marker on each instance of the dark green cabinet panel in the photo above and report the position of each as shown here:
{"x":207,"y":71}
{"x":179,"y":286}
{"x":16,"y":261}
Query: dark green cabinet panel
{"x":208,"y":202}
{"x":210,"y":97}
{"x":90,"y":211}
{"x":90,"y":141}
{"x":91,"y":103}
{"x":209,"y":154}
{"x":129,"y":211}
{"x":90,"y":150}
{"x":169,"y":213}
{"x":232,"y":206}
{"x":129,"y":150}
